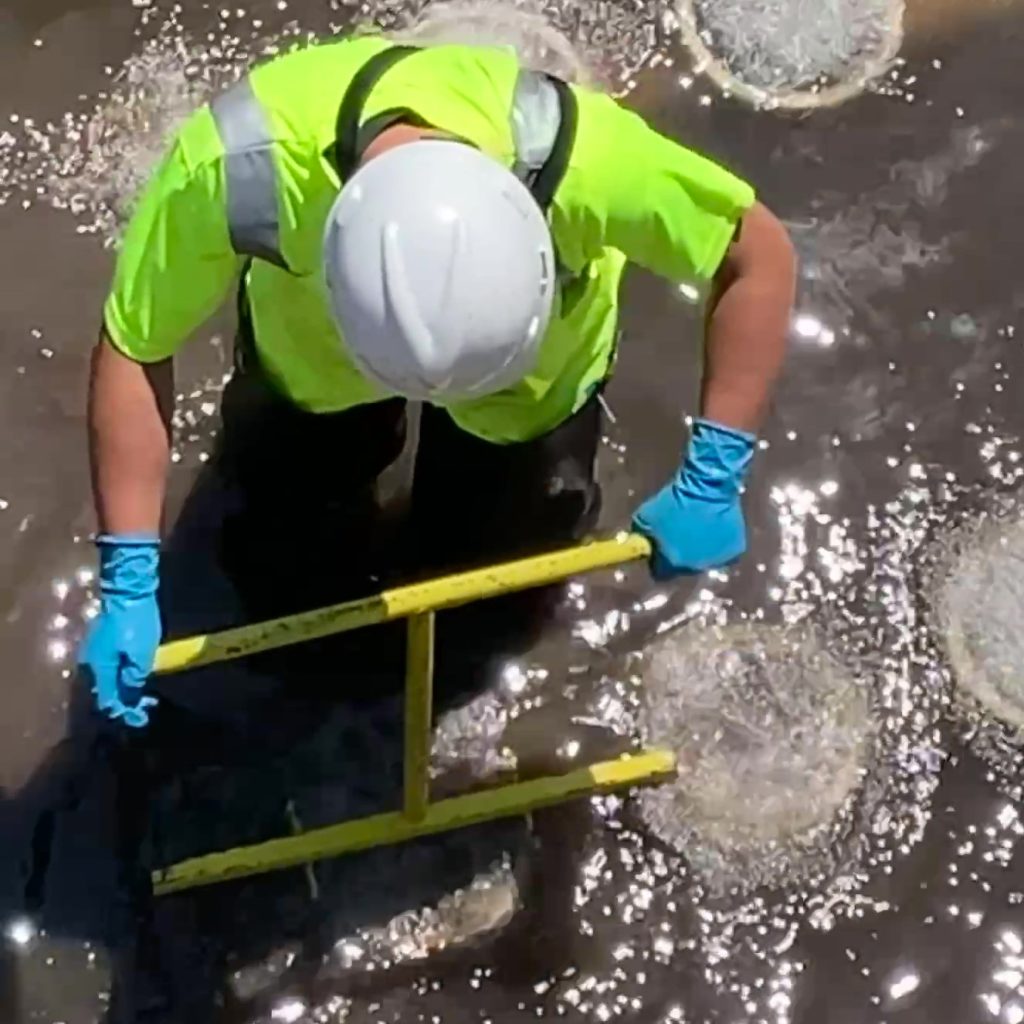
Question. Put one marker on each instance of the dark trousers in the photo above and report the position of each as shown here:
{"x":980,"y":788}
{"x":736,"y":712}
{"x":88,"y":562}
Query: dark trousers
{"x":309,"y":531}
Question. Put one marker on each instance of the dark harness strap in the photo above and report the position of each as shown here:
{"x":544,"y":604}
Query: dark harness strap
{"x":350,"y":113}
{"x":543,"y":183}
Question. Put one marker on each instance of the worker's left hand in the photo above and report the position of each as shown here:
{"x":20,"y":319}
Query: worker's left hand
{"x":695,"y":522}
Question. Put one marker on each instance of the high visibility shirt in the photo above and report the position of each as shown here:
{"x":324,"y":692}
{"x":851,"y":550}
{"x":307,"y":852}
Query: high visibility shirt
{"x":629,"y":194}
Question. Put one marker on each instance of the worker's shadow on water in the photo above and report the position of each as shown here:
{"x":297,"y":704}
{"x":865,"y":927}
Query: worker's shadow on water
{"x":243,"y":752}
{"x":10,"y":994}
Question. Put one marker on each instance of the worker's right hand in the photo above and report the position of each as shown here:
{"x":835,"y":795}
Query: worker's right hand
{"x":120,"y":648}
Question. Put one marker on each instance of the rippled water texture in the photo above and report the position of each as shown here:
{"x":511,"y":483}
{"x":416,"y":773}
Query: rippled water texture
{"x":842,"y":841}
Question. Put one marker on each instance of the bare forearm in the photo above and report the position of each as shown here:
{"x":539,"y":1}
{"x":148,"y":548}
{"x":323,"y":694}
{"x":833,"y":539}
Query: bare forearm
{"x":748,"y":325}
{"x":129,"y":414}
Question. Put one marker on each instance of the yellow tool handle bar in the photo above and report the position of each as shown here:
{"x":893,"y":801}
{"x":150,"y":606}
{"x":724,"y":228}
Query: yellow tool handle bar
{"x":400,"y":603}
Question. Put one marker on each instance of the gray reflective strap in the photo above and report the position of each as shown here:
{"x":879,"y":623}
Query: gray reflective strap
{"x":536,"y":117}
{"x":251,"y":176}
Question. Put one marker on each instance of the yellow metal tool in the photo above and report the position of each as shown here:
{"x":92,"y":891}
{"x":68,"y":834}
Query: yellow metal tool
{"x":418,"y":603}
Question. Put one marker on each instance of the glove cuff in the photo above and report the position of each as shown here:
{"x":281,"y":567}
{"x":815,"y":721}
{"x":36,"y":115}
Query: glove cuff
{"x":717,"y":461}
{"x":107,"y":540}
{"x":129,"y":565}
{"x":701,"y":425}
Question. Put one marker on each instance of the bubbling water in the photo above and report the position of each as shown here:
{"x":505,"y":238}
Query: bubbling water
{"x":977,"y":597}
{"x":772,"y":736}
{"x":93,"y":162}
{"x":793,"y":53}
{"x":538,"y":44}
{"x":601,"y":43}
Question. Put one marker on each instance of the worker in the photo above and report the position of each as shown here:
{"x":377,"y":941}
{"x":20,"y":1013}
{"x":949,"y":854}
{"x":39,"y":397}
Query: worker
{"x":439,"y":225}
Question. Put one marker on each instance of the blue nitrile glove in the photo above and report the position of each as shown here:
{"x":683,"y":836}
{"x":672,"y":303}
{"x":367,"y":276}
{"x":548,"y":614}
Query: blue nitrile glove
{"x":695,"y":522}
{"x":120,"y":648}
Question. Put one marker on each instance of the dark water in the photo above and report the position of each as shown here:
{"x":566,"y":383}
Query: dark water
{"x":898,"y":417}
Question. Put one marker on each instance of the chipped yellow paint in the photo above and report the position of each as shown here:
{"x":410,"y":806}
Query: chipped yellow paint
{"x":395,"y":827}
{"x":418,"y":603}
{"x":419,"y":698}
{"x":416,"y":599}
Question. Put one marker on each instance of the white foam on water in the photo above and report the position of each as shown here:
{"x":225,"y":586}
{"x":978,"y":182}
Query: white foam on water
{"x":738,"y":867}
{"x":487,"y":903}
{"x":93,"y":161}
{"x":974,"y":591}
{"x":793,"y":53}
{"x":469,"y":739}
{"x":461,"y":918}
{"x":980,"y":609}
{"x":538,"y":44}
{"x":772,"y":736}
{"x":603,"y":42}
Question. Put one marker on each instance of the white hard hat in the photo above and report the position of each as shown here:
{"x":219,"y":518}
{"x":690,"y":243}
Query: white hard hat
{"x":440,"y":270}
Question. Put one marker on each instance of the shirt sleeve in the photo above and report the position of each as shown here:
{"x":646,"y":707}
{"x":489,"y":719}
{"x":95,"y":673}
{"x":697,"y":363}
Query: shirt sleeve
{"x":664,"y":206}
{"x":175,"y":264}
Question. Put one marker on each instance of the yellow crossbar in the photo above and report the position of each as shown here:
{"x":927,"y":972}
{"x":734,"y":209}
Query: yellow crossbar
{"x":395,"y":827}
{"x":418,"y":603}
{"x":400,"y":603}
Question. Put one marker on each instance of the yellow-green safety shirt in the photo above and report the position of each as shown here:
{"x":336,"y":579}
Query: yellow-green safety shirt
{"x":629,"y":194}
